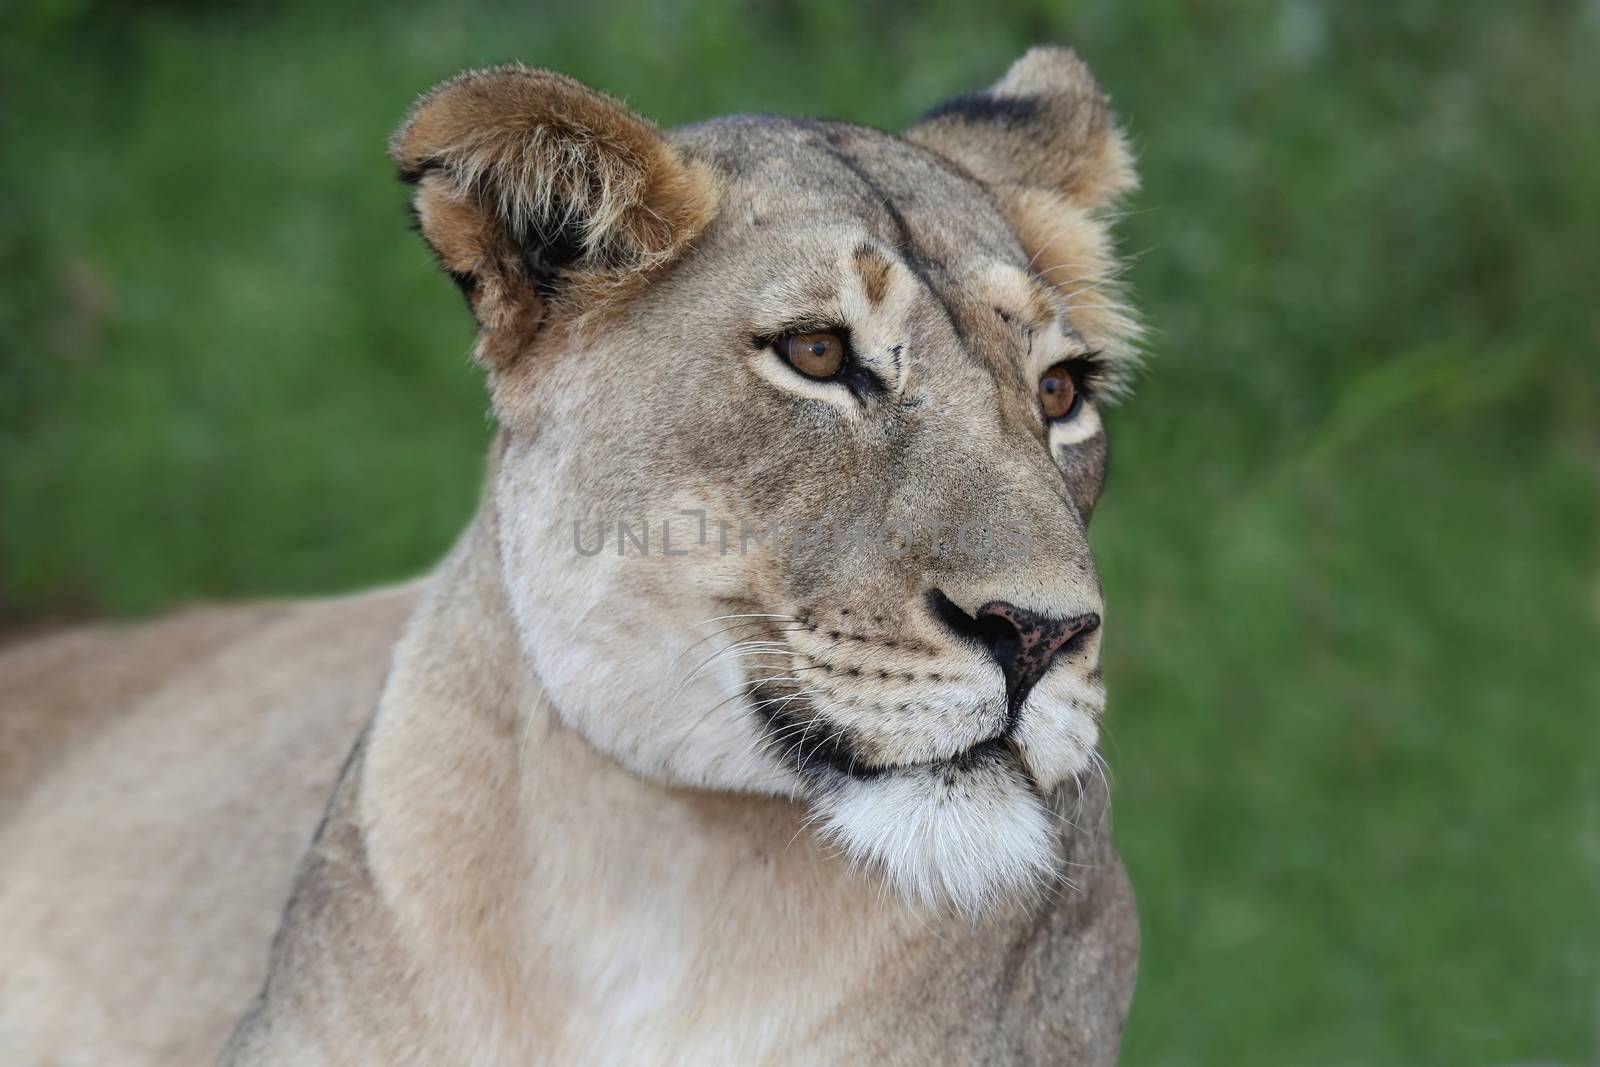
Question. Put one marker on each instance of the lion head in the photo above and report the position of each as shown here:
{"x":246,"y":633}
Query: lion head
{"x":800,"y":439}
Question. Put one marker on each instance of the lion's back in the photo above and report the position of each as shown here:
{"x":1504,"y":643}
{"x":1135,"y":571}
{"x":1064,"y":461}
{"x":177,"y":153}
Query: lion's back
{"x":158,"y":784}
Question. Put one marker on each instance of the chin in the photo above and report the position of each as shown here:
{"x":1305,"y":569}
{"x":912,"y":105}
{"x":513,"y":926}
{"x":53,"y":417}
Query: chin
{"x":970,"y":835}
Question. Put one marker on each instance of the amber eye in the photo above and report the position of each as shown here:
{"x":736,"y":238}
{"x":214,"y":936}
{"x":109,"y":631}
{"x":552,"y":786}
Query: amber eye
{"x":816,"y":355}
{"x":1058,"y":392}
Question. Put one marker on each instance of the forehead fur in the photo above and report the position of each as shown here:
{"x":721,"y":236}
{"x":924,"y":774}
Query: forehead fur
{"x":787,"y":181}
{"x":914,"y":200}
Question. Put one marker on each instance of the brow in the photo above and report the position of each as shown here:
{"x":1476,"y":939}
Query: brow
{"x":874,"y":267}
{"x":1026,"y":299}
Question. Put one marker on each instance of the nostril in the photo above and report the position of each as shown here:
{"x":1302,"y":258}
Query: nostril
{"x":1074,"y":631}
{"x":1001,"y":636}
{"x":1084,"y":625}
{"x":990,"y":629}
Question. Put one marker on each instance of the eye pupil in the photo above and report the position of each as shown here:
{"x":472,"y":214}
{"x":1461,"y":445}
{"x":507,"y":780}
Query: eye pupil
{"x":816,"y":355}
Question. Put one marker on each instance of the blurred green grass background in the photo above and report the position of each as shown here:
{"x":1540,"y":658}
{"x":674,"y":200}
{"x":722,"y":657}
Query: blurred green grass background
{"x":1350,"y":541}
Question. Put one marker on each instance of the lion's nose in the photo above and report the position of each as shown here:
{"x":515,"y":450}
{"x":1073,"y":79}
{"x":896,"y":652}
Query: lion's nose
{"x":1023,"y":642}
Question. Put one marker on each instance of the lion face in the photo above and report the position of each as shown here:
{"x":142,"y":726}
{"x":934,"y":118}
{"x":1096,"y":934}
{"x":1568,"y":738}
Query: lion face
{"x":802,"y":436}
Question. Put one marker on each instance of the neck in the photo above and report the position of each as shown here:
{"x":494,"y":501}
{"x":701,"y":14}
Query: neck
{"x":528,"y":872}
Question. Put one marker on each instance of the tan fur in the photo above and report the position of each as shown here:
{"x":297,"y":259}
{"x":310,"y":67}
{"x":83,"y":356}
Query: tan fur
{"x":689,"y":805}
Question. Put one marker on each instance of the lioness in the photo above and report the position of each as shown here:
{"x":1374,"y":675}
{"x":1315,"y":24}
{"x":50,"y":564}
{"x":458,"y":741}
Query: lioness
{"x":754,"y":717}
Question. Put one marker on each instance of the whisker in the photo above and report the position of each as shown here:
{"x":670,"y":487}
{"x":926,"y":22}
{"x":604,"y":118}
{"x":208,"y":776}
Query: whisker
{"x":737,"y":645}
{"x":741,"y":690}
{"x":747,"y":615}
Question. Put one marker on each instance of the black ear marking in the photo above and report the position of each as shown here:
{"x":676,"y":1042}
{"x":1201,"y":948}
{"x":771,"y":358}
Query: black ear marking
{"x":1010,"y":111}
{"x":1045,"y":124}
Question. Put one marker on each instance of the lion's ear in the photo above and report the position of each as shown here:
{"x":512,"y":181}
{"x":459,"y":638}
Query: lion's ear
{"x":1045,"y":125}
{"x":1043,"y":140}
{"x":532,"y":187}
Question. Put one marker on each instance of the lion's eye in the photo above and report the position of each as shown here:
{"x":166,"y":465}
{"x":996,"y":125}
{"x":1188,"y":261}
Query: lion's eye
{"x":1058,"y":392}
{"x":816,"y":355}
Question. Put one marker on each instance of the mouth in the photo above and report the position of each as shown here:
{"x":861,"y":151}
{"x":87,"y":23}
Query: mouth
{"x":964,"y":826}
{"x":817,"y":747}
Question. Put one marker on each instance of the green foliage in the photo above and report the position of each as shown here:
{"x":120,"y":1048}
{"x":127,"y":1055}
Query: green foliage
{"x":1350,"y":542}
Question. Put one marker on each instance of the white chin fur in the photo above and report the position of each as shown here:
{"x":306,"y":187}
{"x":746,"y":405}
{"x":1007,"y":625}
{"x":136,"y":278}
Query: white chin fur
{"x":968,"y":838}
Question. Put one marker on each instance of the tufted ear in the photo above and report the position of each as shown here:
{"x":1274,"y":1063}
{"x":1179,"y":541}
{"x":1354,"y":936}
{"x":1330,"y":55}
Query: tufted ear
{"x":1044,"y":141}
{"x":538,"y":193}
{"x":1045,"y":125}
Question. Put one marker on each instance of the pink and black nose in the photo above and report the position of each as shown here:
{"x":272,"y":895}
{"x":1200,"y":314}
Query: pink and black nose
{"x":1024,"y":643}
